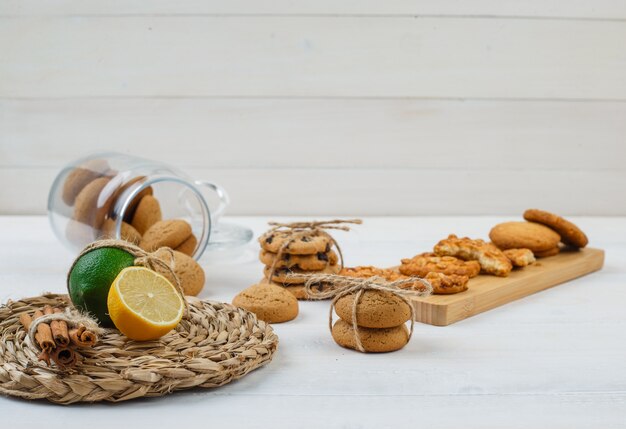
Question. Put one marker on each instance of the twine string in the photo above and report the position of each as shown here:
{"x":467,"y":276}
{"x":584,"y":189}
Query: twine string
{"x":343,"y":286}
{"x":303,"y":229}
{"x":142,"y":258}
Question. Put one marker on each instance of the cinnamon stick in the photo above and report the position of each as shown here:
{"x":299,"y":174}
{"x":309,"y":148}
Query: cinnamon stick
{"x":59,"y":330}
{"x":82,"y":337}
{"x":63,"y":356}
{"x":26,"y":320}
{"x":44,"y":334}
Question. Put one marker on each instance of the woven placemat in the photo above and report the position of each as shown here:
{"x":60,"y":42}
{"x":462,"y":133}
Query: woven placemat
{"x":215,"y":344}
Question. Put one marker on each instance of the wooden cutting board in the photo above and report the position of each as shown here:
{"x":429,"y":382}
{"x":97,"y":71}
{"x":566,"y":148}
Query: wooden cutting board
{"x":486,"y":292}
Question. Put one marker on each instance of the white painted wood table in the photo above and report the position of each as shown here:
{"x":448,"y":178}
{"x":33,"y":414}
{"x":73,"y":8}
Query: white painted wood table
{"x":554,"y":359}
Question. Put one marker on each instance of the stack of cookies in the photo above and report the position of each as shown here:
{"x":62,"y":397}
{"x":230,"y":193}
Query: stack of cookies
{"x":381,"y":318}
{"x":288,"y":252}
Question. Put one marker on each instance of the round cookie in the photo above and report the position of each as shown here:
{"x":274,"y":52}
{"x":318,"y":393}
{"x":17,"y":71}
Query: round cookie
{"x":189,"y":272}
{"x":546,"y":253}
{"x":376,"y":309}
{"x":128,"y":233}
{"x":165,"y":233}
{"x":529,"y":235}
{"x":309,"y":243}
{"x":317,"y":261}
{"x":147,"y":213}
{"x":80,"y":177}
{"x":89,"y":207}
{"x":373,"y":340}
{"x":570,"y":233}
{"x":188,"y":246}
{"x":282,"y":275}
{"x":271,"y":303}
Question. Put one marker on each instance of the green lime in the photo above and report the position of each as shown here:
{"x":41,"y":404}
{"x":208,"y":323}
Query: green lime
{"x":91,"y":279}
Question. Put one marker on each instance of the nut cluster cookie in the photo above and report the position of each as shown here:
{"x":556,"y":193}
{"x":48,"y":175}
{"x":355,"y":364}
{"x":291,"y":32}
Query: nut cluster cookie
{"x":446,"y":284}
{"x":366,"y":271}
{"x":520,"y":257}
{"x":424,"y":263}
{"x":490,"y":258}
{"x":570,"y":234}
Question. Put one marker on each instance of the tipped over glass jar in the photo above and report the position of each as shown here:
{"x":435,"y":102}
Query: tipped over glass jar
{"x":114,"y":195}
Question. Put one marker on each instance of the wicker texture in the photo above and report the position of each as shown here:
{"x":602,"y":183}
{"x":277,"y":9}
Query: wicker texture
{"x":215,"y":344}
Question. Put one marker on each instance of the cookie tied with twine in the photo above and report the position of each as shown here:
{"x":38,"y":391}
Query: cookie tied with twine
{"x":300,"y":230}
{"x":149,"y":260}
{"x":343,"y":286}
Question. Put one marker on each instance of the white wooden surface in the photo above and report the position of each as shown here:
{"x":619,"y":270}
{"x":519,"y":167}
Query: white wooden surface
{"x":404,"y":107}
{"x":554,"y":359}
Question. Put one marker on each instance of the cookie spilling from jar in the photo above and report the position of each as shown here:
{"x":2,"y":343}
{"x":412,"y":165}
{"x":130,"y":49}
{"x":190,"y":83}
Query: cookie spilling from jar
{"x":92,"y":190}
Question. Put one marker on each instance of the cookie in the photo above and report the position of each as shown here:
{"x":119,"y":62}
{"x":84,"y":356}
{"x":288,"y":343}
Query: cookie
{"x":188,"y":247}
{"x":282,"y":275}
{"x":570,"y":233}
{"x":190,"y":274}
{"x":373,"y":340}
{"x":528,"y":235}
{"x":147,"y":213}
{"x":549,"y":252}
{"x":165,"y":233}
{"x":133,"y":183}
{"x":80,"y":177}
{"x":271,"y":303}
{"x":520,"y":257}
{"x":446,"y":284}
{"x":299,"y":243}
{"x":128,"y":233}
{"x":490,"y":258}
{"x":317,"y":261}
{"x":376,"y":309}
{"x":425,"y":263}
{"x":91,"y":204}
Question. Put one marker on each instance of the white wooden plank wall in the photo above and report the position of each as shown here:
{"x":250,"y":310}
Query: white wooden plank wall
{"x":326,"y":107}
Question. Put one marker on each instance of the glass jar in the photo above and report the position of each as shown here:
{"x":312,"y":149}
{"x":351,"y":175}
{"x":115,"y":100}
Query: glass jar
{"x":97,"y":196}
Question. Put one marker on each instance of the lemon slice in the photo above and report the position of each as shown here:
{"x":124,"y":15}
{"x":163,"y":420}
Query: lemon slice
{"x":143,"y":304}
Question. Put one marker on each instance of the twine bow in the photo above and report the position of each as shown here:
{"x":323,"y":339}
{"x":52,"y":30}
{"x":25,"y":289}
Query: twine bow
{"x":142,"y":259}
{"x":303,"y":229}
{"x":343,"y":286}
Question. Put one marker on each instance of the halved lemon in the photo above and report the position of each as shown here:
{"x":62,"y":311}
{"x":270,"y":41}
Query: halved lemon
{"x":143,"y":304}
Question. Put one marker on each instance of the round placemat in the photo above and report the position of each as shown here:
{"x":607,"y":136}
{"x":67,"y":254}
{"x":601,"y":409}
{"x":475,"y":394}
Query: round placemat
{"x":215,"y":344}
